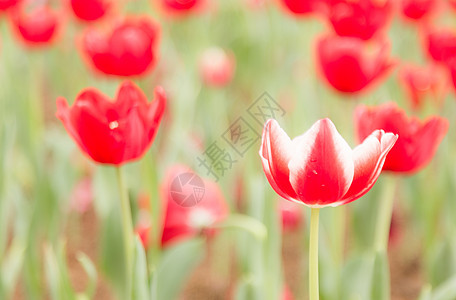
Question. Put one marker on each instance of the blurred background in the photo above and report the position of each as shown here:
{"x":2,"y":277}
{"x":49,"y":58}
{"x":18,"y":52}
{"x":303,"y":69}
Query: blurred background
{"x":226,"y":67}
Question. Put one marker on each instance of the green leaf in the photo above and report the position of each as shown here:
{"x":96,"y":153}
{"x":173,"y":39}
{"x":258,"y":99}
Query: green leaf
{"x":246,"y":223}
{"x":176,"y":265}
{"x":426,"y":293}
{"x":381,"y":277}
{"x":91,"y":271}
{"x":11,"y":266}
{"x":447,"y":291}
{"x":56,"y":274}
{"x":140,"y":276}
{"x":357,"y":277}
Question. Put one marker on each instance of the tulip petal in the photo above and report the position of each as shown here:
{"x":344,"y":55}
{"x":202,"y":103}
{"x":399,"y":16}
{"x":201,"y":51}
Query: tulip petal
{"x":63,"y":114}
{"x":275,"y":152}
{"x":321,"y":168}
{"x":369,"y":158}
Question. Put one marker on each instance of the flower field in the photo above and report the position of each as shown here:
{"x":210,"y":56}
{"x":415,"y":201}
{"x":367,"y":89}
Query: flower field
{"x":227,"y":149}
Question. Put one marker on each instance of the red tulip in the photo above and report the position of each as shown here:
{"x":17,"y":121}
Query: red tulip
{"x":82,"y":196}
{"x":318,"y":168}
{"x":361,"y":18}
{"x":292,"y":216}
{"x":35,"y":27}
{"x":286,"y":293}
{"x":452,"y":4}
{"x":417,"y":9}
{"x":90,"y":10}
{"x":6,"y":4}
{"x":350,"y":65}
{"x":130,"y":49}
{"x":178,"y":8}
{"x":113,"y":132}
{"x":421,"y":82}
{"x":418,"y":140}
{"x":217,"y":67}
{"x":304,"y":7}
{"x":181,"y":222}
{"x":143,"y":228}
{"x":441,"y":44}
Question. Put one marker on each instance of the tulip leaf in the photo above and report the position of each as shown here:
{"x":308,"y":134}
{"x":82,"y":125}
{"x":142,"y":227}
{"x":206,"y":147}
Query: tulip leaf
{"x":357,"y":277}
{"x":246,"y":223}
{"x":446,"y":291}
{"x":426,"y":293}
{"x":140,"y":274}
{"x":91,"y":271}
{"x":57,"y":275}
{"x":12,"y":264}
{"x":381,"y":277}
{"x":176,"y":265}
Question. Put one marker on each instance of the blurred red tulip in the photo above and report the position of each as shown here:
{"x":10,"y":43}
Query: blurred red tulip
{"x":417,"y":9}
{"x":217,"y":67}
{"x":291,"y":215}
{"x":396,"y":230}
{"x":82,"y":196}
{"x":421,"y":82}
{"x":113,"y":132}
{"x":304,"y":7}
{"x":286,"y":293}
{"x":350,"y":65}
{"x":181,"y":222}
{"x":6,"y":4}
{"x":178,"y":8}
{"x":90,"y":10}
{"x":37,"y":25}
{"x":130,"y":49}
{"x":418,"y":140}
{"x":362,"y":18}
{"x":143,"y":228}
{"x":452,"y":4}
{"x":441,"y":44}
{"x":318,"y":168}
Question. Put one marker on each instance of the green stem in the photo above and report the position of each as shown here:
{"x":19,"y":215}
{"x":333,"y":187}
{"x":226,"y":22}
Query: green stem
{"x":384,"y":216}
{"x":127,"y":226}
{"x":313,"y":255}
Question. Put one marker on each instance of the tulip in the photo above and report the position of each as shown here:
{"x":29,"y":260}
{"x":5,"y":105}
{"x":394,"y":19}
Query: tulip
{"x":217,"y":67}
{"x":417,"y":9}
{"x":286,"y":294}
{"x":351,"y":65}
{"x":421,"y":82}
{"x":130,"y":49}
{"x":183,"y":222}
{"x":90,"y":10}
{"x":319,"y":169}
{"x":36,"y":27}
{"x":143,"y":228}
{"x":418,"y":140}
{"x":6,"y":4}
{"x":291,"y":215}
{"x":82,"y":196}
{"x":300,"y":8}
{"x":361,"y":19}
{"x":113,"y":132}
{"x":179,"y":8}
{"x":441,"y":44}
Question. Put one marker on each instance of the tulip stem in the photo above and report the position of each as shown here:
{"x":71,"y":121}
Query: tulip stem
{"x":127,"y":227}
{"x":313,"y":255}
{"x":384,"y":216}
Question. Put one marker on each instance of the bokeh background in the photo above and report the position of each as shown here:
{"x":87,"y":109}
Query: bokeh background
{"x":60,"y":231}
